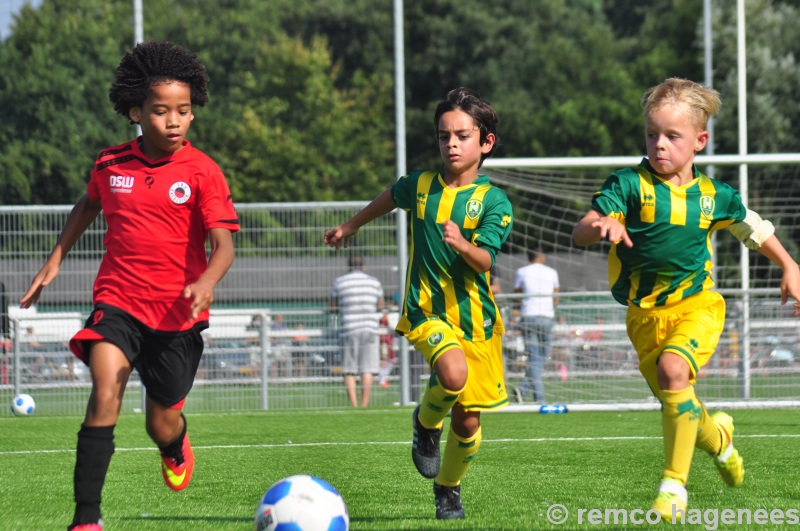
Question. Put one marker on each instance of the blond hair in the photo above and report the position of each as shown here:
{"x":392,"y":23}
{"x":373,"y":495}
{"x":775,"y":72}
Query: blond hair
{"x":700,"y":102}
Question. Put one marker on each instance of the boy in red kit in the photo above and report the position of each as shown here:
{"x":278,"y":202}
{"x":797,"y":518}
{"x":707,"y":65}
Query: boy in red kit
{"x":162,"y":200}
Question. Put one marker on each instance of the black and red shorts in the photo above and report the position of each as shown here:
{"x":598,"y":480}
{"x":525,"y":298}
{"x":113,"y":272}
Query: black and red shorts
{"x":166,"y":361}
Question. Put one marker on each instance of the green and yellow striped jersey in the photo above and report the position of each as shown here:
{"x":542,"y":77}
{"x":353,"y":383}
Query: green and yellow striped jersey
{"x":439,"y":283}
{"x":670,"y":227}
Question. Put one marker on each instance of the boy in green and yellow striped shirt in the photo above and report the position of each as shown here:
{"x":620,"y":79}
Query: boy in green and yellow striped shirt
{"x":458,"y":222}
{"x":660,"y":216}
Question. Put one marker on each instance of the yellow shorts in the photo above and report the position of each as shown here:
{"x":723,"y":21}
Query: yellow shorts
{"x":486,"y":388}
{"x":691,"y":329}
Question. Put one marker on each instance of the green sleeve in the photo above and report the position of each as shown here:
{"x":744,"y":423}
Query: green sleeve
{"x":735,"y":210}
{"x":496,"y":223}
{"x":404,"y":191}
{"x":615,"y":193}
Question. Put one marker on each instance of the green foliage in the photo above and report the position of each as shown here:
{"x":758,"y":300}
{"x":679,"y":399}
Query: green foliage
{"x":277,"y":124}
{"x":54,"y":115}
{"x":302,"y":91}
{"x":533,"y":61}
{"x":773,"y":115}
{"x":662,"y":40}
{"x":283,"y":122}
{"x":301,"y":134}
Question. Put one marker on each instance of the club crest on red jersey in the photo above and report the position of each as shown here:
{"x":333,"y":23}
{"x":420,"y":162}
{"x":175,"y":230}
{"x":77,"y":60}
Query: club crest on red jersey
{"x":180,"y":192}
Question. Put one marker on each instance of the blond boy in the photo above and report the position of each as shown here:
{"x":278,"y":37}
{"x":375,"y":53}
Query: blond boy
{"x":660,"y":216}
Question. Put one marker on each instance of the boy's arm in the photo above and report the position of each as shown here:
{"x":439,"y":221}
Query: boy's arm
{"x":478,"y":259}
{"x":595,"y":227}
{"x":219,"y":261}
{"x":383,"y":204}
{"x":790,"y":283}
{"x":82,"y":215}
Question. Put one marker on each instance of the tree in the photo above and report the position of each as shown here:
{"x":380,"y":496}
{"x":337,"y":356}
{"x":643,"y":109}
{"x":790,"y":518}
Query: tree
{"x":302,"y":90}
{"x":285,"y":124}
{"x":534,"y":62}
{"x":278,"y":124}
{"x":53,"y":115}
{"x":300,"y":138}
{"x":773,"y":114}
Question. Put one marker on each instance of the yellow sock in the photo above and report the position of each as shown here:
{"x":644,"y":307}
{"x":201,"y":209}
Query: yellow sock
{"x":458,"y":456}
{"x":436,"y":404}
{"x":681,"y":412}
{"x":709,"y":438}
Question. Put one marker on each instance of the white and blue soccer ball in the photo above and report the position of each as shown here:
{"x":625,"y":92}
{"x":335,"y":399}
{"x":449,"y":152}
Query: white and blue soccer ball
{"x":302,"y":503}
{"x":23,"y":405}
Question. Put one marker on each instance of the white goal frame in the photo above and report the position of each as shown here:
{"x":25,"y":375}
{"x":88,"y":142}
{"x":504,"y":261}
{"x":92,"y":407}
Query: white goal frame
{"x":742,"y":161}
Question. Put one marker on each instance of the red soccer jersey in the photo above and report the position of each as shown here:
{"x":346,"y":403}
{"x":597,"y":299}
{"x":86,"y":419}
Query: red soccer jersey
{"x":158,"y":215}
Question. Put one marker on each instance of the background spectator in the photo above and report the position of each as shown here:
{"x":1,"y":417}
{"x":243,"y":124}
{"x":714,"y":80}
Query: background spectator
{"x":358,"y":297}
{"x":540,"y":282}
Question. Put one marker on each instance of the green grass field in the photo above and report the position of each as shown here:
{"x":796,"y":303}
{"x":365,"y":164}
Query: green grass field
{"x":527,"y":463}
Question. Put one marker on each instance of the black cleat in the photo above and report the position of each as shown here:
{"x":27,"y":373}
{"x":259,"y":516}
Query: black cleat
{"x":425,"y":448}
{"x":448,"y":502}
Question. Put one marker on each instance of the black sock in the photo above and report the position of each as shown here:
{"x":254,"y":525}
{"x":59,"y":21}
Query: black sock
{"x":95,"y":447}
{"x":175,"y":448}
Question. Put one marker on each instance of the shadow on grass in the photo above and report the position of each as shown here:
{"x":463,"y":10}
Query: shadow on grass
{"x":231,"y":519}
{"x":429,"y":524}
{"x":208,"y":519}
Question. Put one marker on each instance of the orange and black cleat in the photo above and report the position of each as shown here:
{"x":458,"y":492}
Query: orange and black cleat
{"x":177,"y":472}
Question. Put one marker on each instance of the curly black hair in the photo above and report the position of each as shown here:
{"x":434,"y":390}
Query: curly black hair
{"x":156,"y":62}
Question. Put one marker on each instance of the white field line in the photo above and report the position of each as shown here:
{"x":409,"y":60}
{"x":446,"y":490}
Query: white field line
{"x":394,"y":443}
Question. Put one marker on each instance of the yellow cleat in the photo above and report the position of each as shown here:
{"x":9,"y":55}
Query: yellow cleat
{"x":729,"y":463}
{"x":671,"y":501}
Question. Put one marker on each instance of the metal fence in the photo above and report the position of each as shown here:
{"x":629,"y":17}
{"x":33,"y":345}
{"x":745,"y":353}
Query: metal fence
{"x":273,"y":344}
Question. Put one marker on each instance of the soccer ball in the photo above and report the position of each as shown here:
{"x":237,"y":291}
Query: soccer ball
{"x":302,"y":503}
{"x":23,"y":405}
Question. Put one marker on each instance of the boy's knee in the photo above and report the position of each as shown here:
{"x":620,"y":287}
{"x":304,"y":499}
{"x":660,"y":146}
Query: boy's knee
{"x":465,"y":424}
{"x":105,"y":400}
{"x":453,"y":382}
{"x":104,"y":406}
{"x":451,"y":370}
{"x":673,"y":370}
{"x":453,"y":378}
{"x":105,"y":397}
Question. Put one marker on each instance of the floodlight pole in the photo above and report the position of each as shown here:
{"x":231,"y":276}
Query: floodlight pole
{"x":138,"y":22}
{"x":710,"y":170}
{"x":138,"y":36}
{"x":708,"y":67}
{"x":400,"y":155}
{"x":744,"y":262}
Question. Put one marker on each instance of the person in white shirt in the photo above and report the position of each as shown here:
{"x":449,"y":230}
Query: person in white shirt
{"x":358,"y":297}
{"x":540,"y":282}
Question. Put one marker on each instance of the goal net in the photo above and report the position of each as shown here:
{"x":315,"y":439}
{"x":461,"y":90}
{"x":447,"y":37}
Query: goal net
{"x":592,"y":363}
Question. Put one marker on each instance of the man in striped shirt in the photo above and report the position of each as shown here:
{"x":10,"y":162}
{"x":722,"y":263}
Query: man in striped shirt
{"x":358,"y":297}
